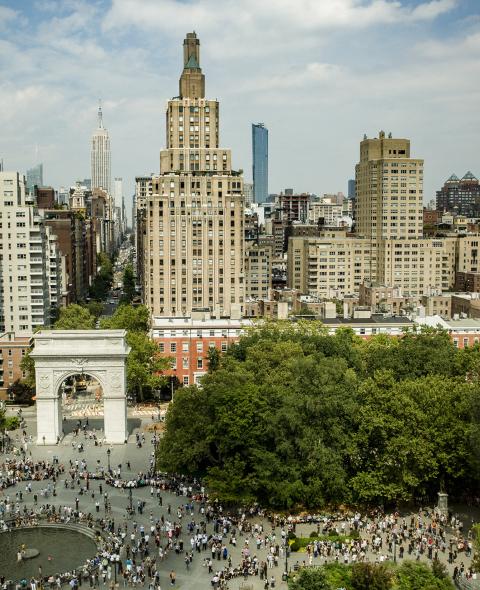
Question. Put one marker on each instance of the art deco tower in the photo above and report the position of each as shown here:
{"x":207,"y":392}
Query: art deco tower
{"x":194,"y":218}
{"x":100,"y":156}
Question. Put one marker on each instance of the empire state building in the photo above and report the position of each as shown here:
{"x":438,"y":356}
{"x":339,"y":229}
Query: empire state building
{"x":100,"y":157}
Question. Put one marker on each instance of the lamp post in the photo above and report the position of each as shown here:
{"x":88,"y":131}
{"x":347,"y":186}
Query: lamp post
{"x":285,"y":575}
{"x":130,"y":499}
{"x":108,"y":459}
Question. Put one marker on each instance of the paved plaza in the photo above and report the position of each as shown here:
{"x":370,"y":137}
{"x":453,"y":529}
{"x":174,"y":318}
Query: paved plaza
{"x":196,"y":576}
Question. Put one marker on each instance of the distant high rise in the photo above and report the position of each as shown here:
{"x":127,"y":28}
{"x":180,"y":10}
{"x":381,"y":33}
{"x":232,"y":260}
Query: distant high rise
{"x":34,"y":177}
{"x":460,"y":195}
{"x":351,"y":188}
{"x":100,"y":156}
{"x":260,"y":162}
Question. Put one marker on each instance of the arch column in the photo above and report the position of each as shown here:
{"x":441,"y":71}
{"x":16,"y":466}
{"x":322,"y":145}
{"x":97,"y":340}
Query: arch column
{"x":115,"y":407}
{"x":49,"y":409}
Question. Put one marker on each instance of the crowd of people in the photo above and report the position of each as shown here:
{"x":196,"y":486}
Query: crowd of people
{"x":183,"y":520}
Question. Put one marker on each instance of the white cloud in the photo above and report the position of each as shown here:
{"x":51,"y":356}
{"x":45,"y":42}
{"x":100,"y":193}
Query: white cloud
{"x":320,"y":73}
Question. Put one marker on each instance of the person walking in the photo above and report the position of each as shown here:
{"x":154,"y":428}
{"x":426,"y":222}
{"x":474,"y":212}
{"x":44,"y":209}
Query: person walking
{"x":172,"y":576}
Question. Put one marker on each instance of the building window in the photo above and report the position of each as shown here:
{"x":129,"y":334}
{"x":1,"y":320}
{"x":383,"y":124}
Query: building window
{"x":199,"y":346}
{"x":161,"y":347}
{"x":185,"y":362}
{"x":185,"y":346}
{"x":224,"y":347}
{"x":185,"y":380}
{"x":173,"y":347}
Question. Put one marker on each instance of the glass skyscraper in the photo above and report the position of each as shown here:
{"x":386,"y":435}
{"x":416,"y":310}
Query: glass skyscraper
{"x":34,"y":177}
{"x":260,"y":162}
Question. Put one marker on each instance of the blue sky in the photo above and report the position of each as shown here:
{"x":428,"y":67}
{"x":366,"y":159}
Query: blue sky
{"x":318,"y":73}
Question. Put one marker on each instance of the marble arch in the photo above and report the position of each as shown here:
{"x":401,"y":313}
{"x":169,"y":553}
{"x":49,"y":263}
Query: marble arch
{"x":99,"y":353}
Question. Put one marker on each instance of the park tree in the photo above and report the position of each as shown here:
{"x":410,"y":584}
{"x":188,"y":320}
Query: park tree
{"x":291,"y":416}
{"x":21,"y":392}
{"x":75,"y":317}
{"x":145,"y":364}
{"x":310,"y":579}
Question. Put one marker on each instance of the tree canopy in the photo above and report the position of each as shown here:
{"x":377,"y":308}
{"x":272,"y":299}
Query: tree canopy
{"x":75,"y":317}
{"x":128,"y":284}
{"x":371,"y":576}
{"x":292,"y":416}
{"x":144,"y":363}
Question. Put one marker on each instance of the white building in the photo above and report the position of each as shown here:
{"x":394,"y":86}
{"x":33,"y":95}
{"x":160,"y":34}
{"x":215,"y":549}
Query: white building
{"x":100,"y":157}
{"x":24,"y":260}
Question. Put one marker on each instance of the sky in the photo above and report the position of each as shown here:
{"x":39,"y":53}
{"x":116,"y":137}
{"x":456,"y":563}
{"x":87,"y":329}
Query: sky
{"x":318,"y":73}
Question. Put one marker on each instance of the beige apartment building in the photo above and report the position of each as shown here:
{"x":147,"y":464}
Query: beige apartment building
{"x":389,"y":190}
{"x":258,"y":271}
{"x":332,"y":265}
{"x":194,"y":242}
{"x":389,"y":247}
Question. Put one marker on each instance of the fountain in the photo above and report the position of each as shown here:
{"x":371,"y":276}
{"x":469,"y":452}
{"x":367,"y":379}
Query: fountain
{"x":50,"y":549}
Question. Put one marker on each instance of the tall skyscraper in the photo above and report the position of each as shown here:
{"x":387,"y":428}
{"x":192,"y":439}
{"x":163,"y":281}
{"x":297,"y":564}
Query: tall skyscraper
{"x":34,"y":177}
{"x":260,"y":162}
{"x":351,"y":188}
{"x":194,"y":252}
{"x":100,"y":157}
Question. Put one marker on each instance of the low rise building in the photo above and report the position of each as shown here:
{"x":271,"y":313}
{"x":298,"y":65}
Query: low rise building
{"x":187,"y":340}
{"x":12,"y":350}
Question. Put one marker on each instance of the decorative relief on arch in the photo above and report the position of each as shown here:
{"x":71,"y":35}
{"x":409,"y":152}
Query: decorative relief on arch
{"x":44,"y":381}
{"x":79,"y":363}
{"x":115,"y":380}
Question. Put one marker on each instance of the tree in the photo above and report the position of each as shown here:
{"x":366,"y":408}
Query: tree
{"x":126,"y":317}
{"x":418,"y":576}
{"x":371,"y":576}
{"x":103,"y":279}
{"x":213,"y":358}
{"x":145,"y":364}
{"x":75,"y":317}
{"x":310,"y":579}
{"x":128,"y":284}
{"x":21,"y":392}
{"x":95,"y":308}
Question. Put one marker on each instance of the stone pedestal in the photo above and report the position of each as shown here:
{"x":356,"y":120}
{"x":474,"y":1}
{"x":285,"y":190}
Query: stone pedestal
{"x":442,"y":506}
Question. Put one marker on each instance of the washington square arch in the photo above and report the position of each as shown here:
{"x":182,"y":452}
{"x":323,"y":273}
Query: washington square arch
{"x":59,"y":354}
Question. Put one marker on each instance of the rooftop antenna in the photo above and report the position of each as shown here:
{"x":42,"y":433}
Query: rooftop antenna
{"x":100,"y":115}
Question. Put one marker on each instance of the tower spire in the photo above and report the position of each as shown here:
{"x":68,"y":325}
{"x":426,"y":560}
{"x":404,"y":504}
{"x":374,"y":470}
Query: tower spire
{"x":100,"y":114}
{"x":192,"y":81}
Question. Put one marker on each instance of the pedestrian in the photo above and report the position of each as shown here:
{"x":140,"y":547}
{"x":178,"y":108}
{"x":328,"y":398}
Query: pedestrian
{"x":172,"y":578}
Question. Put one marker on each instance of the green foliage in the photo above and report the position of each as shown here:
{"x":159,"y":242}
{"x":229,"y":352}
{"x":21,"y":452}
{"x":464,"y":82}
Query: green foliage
{"x":310,"y":579}
{"x":95,"y":308}
{"x":103,"y":279}
{"x":75,"y":317}
{"x":11,"y":423}
{"x":21,"y":391}
{"x":370,"y":576}
{"x":128,"y":284}
{"x":213,"y":359}
{"x":418,"y":576}
{"x":144,"y":363}
{"x":301,"y":542}
{"x":292,"y":416}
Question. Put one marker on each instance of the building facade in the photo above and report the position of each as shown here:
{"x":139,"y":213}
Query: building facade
{"x":260,"y":162}
{"x":100,"y":158}
{"x":194,"y":242}
{"x":460,"y":195}
{"x":24,"y":264}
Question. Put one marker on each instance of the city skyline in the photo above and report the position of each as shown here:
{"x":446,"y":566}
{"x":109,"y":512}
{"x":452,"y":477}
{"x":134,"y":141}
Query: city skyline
{"x":343,"y":85}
